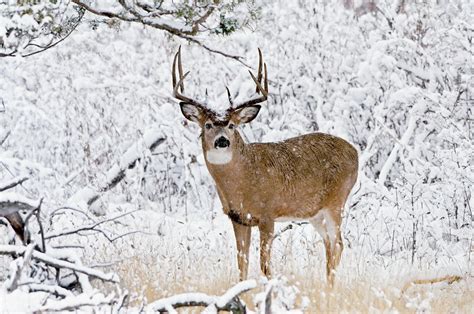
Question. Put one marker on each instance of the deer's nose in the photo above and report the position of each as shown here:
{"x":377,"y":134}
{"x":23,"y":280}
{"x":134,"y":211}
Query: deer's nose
{"x":221,"y":142}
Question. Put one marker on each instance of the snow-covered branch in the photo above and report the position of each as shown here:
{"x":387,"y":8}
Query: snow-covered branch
{"x":411,"y":125}
{"x":229,"y":301}
{"x":12,"y":183}
{"x":88,"y":195}
{"x":73,"y":303}
{"x":15,"y":250}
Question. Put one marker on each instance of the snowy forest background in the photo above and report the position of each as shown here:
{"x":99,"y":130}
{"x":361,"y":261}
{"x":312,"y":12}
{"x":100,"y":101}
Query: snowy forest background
{"x":392,"y":77}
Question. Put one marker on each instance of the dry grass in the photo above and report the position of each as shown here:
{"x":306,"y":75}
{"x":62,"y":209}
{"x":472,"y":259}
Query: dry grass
{"x":140,"y":276}
{"x":352,"y":293}
{"x":190,"y":261}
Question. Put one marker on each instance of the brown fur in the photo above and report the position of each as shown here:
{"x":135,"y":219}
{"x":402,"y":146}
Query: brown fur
{"x":294,"y":178}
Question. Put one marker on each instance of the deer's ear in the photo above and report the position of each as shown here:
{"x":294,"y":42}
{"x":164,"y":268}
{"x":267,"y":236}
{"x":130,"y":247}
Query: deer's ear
{"x":192,"y":112}
{"x":245,"y":114}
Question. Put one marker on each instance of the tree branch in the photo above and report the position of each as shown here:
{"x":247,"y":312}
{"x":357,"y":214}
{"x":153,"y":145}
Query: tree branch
{"x":51,"y":261}
{"x":51,"y":44}
{"x":229,"y":301}
{"x":184,"y":31}
{"x":5,"y":137}
{"x":74,"y":303}
{"x":91,"y":227}
{"x":12,"y":183}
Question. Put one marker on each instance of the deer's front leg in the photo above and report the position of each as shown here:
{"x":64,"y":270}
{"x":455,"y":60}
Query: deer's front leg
{"x":242,"y":238}
{"x":266,"y":239}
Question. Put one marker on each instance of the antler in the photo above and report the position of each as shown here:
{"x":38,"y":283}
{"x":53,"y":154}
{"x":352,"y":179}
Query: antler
{"x":180,"y":84}
{"x":258,"y":82}
{"x":231,"y":101}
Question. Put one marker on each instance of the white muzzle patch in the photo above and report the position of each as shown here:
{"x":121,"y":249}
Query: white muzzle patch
{"x":219,"y":156}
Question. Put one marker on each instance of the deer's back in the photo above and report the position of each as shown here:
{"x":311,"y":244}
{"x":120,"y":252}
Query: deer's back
{"x":315,"y":155}
{"x":304,"y":171}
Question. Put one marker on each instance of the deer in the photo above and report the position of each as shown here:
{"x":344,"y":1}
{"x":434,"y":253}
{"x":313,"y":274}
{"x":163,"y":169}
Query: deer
{"x":307,"y":178}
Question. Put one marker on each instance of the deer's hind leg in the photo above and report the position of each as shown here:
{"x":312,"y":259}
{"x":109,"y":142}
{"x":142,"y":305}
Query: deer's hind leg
{"x":266,"y":239}
{"x":327,"y":223}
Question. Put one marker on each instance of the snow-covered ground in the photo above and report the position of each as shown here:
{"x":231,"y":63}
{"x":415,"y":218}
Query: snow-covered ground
{"x":397,"y":86}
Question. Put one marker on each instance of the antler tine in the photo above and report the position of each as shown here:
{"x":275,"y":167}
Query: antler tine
{"x":230,"y":97}
{"x":266,"y":78}
{"x":176,"y":87}
{"x":259,"y":86}
{"x":173,"y":70}
{"x":258,"y":80}
{"x":179,"y":85}
{"x":180,"y":68}
{"x":259,"y":73}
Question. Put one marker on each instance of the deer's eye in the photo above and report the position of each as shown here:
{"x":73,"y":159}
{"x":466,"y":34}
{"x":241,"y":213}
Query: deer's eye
{"x":208,"y":126}
{"x":231,"y":126}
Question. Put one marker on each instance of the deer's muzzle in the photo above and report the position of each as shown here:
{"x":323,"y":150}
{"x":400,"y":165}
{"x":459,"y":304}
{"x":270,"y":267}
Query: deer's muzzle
{"x":221,"y":142}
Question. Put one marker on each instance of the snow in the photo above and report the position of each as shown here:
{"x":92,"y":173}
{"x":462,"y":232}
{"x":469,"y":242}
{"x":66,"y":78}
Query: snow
{"x":80,"y":114}
{"x":183,"y":298}
{"x":201,"y":298}
{"x":235,"y":290}
{"x":84,"y":300}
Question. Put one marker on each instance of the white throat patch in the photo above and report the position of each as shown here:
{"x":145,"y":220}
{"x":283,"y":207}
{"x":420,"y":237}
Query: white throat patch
{"x":219,"y":156}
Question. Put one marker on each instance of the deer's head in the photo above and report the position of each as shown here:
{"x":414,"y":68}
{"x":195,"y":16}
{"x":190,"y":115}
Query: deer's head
{"x":219,"y":131}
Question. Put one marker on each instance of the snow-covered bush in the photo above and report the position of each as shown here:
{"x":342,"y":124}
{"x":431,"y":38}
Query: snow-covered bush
{"x":395,"y":83}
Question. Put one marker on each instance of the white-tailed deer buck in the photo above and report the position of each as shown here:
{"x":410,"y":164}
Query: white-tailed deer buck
{"x":308,"y":177}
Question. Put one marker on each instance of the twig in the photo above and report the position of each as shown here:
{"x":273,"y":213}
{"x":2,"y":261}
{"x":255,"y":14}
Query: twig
{"x":389,"y":20}
{"x":38,"y":219}
{"x":74,"y":303}
{"x":5,"y":138}
{"x":9,"y":54}
{"x":402,"y":143}
{"x":448,"y":278}
{"x":55,"y":212}
{"x":48,"y":46}
{"x":12,"y":183}
{"x":94,"y":11}
{"x":124,"y":299}
{"x":289,"y":227}
{"x":35,"y":212}
{"x":91,"y":227}
{"x":55,"y":290}
{"x":198,"y":42}
{"x":418,"y":73}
